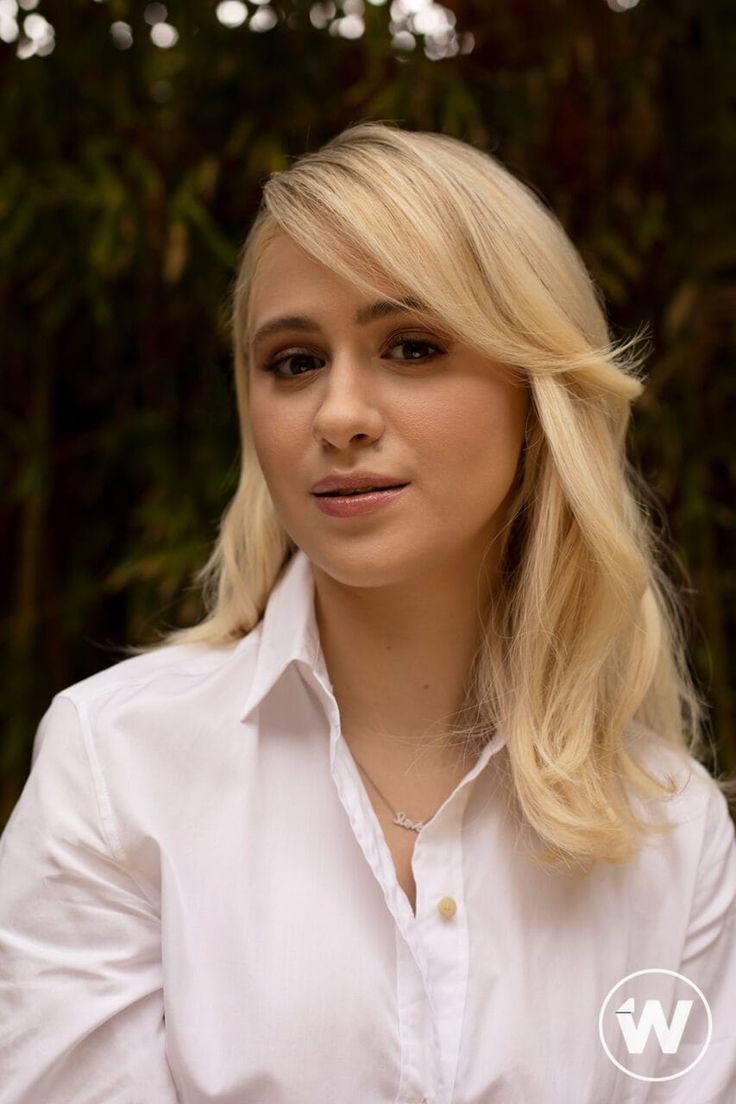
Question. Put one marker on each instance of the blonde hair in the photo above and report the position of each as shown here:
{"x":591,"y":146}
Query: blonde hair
{"x":583,"y":659}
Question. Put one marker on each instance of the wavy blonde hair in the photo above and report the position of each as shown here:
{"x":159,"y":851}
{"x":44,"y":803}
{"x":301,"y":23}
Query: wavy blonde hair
{"x":583,"y":659}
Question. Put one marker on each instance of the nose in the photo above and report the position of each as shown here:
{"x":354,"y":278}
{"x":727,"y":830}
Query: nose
{"x":348,"y":406}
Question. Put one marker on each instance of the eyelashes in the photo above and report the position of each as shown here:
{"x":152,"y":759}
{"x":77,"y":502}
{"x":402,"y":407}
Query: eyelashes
{"x":276,"y":364}
{"x":273,"y":366}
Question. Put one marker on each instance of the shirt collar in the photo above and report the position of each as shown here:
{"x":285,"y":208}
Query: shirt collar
{"x":288,"y":632}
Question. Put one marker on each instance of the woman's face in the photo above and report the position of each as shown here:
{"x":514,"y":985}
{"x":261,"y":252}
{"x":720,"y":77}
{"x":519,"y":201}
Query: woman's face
{"x":347,"y":391}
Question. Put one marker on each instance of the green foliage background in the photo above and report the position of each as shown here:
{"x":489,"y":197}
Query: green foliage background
{"x":127,"y":183}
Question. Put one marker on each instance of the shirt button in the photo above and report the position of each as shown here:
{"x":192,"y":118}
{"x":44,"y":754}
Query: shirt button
{"x":447,"y":908}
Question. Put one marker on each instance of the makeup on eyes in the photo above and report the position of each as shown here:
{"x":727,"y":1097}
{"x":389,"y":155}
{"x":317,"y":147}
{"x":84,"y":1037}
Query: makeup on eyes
{"x":434,"y":349}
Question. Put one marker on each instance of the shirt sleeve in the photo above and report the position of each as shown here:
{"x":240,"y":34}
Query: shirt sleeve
{"x":81,"y":1003}
{"x":709,"y":960}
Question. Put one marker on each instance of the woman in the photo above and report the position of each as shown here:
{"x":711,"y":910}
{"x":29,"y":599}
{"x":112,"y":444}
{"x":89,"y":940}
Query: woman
{"x":404,"y":835}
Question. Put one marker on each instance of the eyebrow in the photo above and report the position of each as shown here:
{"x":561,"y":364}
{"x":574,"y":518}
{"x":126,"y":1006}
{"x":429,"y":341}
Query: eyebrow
{"x":363,"y":315}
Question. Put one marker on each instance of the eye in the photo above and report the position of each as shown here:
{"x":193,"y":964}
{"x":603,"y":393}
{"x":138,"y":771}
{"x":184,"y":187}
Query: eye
{"x":291,"y":365}
{"x":296,"y":360}
{"x":415,"y":348}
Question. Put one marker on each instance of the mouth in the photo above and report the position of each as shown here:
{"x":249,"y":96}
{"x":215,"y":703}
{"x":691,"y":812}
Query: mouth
{"x":350,"y":493}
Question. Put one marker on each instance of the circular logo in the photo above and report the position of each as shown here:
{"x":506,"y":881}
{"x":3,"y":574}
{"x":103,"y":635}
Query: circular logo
{"x":655,"y":1022}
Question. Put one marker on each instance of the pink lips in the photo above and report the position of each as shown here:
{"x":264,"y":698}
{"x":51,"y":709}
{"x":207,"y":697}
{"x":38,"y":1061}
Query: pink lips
{"x":356,"y":505}
{"x":352,"y":481}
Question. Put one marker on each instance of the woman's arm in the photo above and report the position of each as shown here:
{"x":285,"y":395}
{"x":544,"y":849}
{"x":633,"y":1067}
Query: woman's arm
{"x":709,"y":960}
{"x":81,"y":1004}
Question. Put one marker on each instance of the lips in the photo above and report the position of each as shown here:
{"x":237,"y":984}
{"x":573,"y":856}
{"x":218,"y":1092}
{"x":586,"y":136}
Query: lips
{"x":342,"y":483}
{"x":346,"y":506}
{"x":357,"y":491}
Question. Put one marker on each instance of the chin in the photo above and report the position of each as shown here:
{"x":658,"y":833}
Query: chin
{"x":364,"y":566}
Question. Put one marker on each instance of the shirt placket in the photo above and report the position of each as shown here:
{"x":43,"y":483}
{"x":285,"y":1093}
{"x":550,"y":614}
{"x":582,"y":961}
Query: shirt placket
{"x":421,"y":1071}
{"x":441,"y":931}
{"x":432,"y":947}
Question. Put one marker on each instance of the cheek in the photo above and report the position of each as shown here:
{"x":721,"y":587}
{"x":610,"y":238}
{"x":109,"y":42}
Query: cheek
{"x":278,"y":438}
{"x":474,"y":427}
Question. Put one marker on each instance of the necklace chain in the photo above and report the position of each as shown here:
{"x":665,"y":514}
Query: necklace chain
{"x":400,"y":818}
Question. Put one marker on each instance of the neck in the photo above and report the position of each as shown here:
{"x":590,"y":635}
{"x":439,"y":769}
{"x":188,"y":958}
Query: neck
{"x":398,"y":657}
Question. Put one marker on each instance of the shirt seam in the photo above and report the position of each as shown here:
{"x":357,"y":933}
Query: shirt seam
{"x":102,"y":797}
{"x":71,"y":692}
{"x":706,"y":863}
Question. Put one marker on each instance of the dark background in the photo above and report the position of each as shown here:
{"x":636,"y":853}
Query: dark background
{"x":128,"y":178}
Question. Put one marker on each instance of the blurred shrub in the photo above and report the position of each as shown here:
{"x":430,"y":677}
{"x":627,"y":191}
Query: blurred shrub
{"x":130,"y":175}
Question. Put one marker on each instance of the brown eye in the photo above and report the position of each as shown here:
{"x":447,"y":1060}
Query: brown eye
{"x":300,"y":362}
{"x":415,"y":349}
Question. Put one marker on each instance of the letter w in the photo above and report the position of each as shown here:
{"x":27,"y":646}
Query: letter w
{"x":636,"y":1034}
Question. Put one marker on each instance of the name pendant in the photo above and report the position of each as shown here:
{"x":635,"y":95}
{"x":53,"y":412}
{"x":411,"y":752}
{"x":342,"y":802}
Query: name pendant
{"x":404,"y":822}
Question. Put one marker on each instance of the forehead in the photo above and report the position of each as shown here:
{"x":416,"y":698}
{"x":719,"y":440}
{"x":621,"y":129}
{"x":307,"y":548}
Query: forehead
{"x":285,"y":271}
{"x":281,"y":252}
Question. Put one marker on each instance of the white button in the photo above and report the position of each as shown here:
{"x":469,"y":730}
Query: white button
{"x":447,"y":907}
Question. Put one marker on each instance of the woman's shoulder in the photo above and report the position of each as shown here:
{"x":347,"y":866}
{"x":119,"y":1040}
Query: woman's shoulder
{"x":696,"y":814}
{"x":176,"y":680}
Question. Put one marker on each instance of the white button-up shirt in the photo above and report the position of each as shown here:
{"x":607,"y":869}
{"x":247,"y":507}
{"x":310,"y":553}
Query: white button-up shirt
{"x":197,"y":903}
